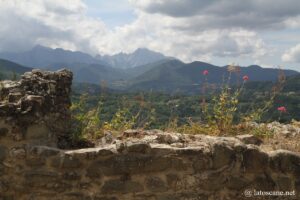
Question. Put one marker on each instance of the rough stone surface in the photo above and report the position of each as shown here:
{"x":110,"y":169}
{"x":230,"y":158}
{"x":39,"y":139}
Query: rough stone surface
{"x":36,"y":108}
{"x":136,"y":165}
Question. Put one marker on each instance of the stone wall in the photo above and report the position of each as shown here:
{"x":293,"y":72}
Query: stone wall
{"x":138,"y":165}
{"x":36,"y":108}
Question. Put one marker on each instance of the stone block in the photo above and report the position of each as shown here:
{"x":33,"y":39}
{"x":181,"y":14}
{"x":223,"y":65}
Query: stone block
{"x":172,"y":180}
{"x":222,"y":155}
{"x":131,"y":164}
{"x":76,"y":196}
{"x":138,"y":148}
{"x":255,"y":160}
{"x":286,"y":162}
{"x":284,"y":183}
{"x":3,"y":152}
{"x":155,"y":184}
{"x":65,"y":162}
{"x":37,"y":131}
{"x":3,"y":132}
{"x":122,"y":187}
{"x":236,"y":183}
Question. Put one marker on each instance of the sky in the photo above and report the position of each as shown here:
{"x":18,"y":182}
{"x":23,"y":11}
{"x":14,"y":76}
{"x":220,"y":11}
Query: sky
{"x":262,"y":32}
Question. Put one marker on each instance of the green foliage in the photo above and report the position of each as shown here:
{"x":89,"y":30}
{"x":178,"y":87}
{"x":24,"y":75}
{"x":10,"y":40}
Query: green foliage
{"x":121,"y":121}
{"x":91,"y":122}
{"x":223,"y":109}
{"x":261,"y":131}
{"x":223,"y":112}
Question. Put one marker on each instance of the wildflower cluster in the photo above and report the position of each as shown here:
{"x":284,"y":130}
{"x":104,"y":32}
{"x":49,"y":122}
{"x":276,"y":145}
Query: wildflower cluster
{"x":222,"y":113}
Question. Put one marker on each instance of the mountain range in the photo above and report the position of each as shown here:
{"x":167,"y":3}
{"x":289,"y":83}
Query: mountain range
{"x":43,"y":57}
{"x":142,"y":69}
{"x":139,"y":57}
{"x":174,"y":75}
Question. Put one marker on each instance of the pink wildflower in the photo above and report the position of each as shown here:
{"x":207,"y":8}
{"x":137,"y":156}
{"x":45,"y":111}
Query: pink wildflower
{"x":281,"y":109}
{"x":205,"y":72}
{"x":245,"y":78}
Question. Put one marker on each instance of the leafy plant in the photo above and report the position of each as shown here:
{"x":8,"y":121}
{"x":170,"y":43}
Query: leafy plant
{"x":121,"y":121}
{"x":256,"y":113}
{"x":222,"y":114}
{"x":221,"y":111}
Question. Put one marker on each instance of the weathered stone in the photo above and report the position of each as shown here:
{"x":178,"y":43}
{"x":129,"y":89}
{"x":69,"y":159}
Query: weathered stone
{"x":105,"y":152}
{"x":47,"y":180}
{"x":145,"y":197}
{"x":30,"y":100}
{"x":41,"y":196}
{"x":222,"y":155}
{"x":201,"y":163}
{"x":7,"y":197}
{"x":213,"y":181}
{"x":190,"y":151}
{"x":105,"y":198}
{"x":132,"y":164}
{"x":182,"y":196}
{"x":38,"y":176}
{"x":65,"y":162}
{"x":4,"y":186}
{"x":85,"y":185}
{"x":255,"y":160}
{"x":2,"y":169}
{"x":120,"y":146}
{"x":76,"y":196}
{"x":123,"y":187}
{"x":297,"y":187}
{"x":39,"y":131}
{"x":168,"y":138}
{"x":14,"y":96}
{"x":284,"y":183}
{"x":94,"y":171}
{"x":18,"y":153}
{"x":132,"y":134}
{"x":46,"y":152}
{"x":172,"y":180}
{"x":237,"y":183}
{"x":155,"y":184}
{"x":107,"y":138}
{"x":171,"y":196}
{"x":249,"y":139}
{"x":264,"y":183}
{"x":3,"y":152}
{"x":35,"y":161}
{"x":286,"y":161}
{"x":138,"y":147}
{"x":180,"y":164}
{"x":71,"y":176}
{"x":3,"y":132}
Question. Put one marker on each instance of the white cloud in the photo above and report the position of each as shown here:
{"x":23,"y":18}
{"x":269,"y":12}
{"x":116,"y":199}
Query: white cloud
{"x":200,"y":30}
{"x":48,"y":22}
{"x":250,"y":14}
{"x":161,"y":33}
{"x":292,"y":55}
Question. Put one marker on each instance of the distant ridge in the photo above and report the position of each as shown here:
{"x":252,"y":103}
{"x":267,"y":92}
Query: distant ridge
{"x":141,"y":56}
{"x":8,"y":69}
{"x":41,"y":57}
{"x":174,"y":75}
{"x":142,"y":69}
